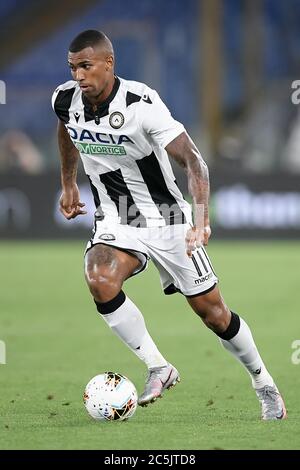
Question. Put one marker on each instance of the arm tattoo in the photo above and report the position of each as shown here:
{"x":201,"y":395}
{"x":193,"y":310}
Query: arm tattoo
{"x":68,"y":154}
{"x":186,"y":154}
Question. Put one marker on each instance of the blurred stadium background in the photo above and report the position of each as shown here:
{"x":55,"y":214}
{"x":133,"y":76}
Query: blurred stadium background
{"x":225,"y":68}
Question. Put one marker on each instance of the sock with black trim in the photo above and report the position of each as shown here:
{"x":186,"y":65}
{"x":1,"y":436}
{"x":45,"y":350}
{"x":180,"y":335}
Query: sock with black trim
{"x":239,"y":341}
{"x":126,"y":320}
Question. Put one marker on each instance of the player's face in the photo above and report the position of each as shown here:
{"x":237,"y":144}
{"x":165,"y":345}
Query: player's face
{"x":93,"y":70}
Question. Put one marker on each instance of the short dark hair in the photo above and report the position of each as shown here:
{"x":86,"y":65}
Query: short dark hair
{"x":88,"y":38}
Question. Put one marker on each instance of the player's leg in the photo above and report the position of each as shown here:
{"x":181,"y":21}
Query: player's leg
{"x":106,"y":269}
{"x":236,"y":337}
{"x":233,"y":332}
{"x":195,"y":278}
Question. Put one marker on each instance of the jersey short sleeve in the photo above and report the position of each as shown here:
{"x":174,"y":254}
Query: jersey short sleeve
{"x":53,"y":98}
{"x":157,"y":121}
{"x":61,"y":100}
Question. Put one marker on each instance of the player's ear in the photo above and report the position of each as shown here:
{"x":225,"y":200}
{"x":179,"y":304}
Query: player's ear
{"x":109,"y":62}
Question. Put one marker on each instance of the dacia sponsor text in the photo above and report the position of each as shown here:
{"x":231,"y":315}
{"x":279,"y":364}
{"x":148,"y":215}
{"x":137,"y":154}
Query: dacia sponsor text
{"x":97,"y":137}
{"x":98,"y":143}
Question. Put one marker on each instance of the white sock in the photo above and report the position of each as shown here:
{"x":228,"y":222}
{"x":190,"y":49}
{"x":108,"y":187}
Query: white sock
{"x":128,"y":323}
{"x":242,"y":346}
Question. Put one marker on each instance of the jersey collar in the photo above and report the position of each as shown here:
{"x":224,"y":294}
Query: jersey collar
{"x":102,"y":108}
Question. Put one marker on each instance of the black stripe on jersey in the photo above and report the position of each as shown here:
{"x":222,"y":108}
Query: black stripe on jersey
{"x":62,"y":104}
{"x":103,"y":108}
{"x":202,"y":261}
{"x":158,"y":189}
{"x":95,"y":193}
{"x":132,"y":98}
{"x":196,"y":266}
{"x":119,"y":193}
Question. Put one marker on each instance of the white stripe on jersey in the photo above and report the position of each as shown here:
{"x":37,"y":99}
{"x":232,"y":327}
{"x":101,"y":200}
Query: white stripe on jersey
{"x":141,"y":194}
{"x":106,"y":203}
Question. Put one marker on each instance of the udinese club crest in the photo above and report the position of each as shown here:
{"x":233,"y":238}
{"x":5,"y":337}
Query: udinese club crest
{"x":116,"y":120}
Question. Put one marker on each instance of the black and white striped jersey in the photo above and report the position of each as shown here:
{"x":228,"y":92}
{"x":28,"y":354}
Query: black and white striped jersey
{"x":122,"y":147}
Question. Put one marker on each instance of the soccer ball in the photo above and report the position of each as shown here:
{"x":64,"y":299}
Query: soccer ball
{"x":110,"y":396}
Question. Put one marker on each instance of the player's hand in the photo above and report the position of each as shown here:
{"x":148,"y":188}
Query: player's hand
{"x":69,"y":203}
{"x":196,"y":237}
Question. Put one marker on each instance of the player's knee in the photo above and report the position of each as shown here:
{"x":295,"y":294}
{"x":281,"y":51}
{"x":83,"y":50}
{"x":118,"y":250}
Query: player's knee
{"x":103,"y":284}
{"x":216,"y":317}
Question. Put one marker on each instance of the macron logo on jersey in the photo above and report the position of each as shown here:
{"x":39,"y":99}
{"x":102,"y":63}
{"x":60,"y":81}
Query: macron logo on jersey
{"x":98,"y":143}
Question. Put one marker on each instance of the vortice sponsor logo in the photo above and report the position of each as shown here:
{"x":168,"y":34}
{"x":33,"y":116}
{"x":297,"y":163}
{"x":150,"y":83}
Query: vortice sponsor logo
{"x":97,"y":149}
{"x":98,"y":143}
{"x":203,"y":278}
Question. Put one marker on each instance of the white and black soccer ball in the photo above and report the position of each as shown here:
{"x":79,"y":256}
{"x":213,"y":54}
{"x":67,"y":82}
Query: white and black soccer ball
{"x":110,"y":396}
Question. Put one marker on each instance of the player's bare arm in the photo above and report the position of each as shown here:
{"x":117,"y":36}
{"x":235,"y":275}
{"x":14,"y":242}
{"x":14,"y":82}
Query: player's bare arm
{"x":186,"y":154}
{"x":70,"y":205}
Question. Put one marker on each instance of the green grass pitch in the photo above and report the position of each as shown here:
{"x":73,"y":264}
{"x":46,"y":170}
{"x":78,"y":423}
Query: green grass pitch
{"x":55,"y":342}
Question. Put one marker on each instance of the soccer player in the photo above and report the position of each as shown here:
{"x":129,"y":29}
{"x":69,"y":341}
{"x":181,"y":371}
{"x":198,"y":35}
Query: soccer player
{"x":124,"y":134}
